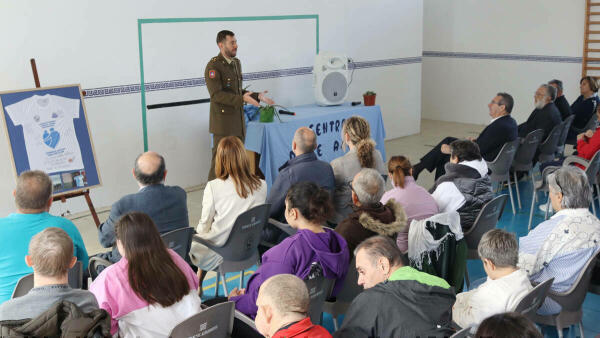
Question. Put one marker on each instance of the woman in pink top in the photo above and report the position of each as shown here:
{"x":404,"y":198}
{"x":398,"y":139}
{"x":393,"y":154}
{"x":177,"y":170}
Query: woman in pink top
{"x":151,"y":289}
{"x":416,"y":201}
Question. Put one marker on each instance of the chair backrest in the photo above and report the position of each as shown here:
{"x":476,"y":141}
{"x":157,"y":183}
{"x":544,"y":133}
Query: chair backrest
{"x":464,"y":333}
{"x":565,"y":132}
{"x":350,"y":289}
{"x":25,"y":283}
{"x":319,"y":289}
{"x":245,"y":234}
{"x":524,"y":157}
{"x":486,"y":220}
{"x":529,"y":305}
{"x":572,"y":299}
{"x":591,"y":124}
{"x":500,"y":167}
{"x":593,"y":168}
{"x":213,"y":322}
{"x":179,"y":240}
{"x":76,"y":276}
{"x":549,"y":146}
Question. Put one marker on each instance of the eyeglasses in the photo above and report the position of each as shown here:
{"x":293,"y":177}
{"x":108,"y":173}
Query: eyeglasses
{"x":350,"y":186}
{"x":494,"y":102}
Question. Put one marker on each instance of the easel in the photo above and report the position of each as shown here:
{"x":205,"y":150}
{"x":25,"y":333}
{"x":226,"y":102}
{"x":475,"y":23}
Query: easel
{"x":63,"y":198}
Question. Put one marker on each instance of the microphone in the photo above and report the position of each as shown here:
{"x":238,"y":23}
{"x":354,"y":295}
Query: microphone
{"x":285,"y":112}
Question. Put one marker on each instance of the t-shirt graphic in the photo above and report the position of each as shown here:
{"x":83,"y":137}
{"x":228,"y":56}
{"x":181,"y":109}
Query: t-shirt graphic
{"x":49,"y":133}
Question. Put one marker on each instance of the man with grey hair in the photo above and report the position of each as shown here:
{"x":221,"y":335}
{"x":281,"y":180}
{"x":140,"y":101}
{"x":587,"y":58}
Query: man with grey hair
{"x":506,"y":284}
{"x":398,"y":300}
{"x":561,"y":101}
{"x":283,"y":302}
{"x":304,"y":166}
{"x":561,"y":246}
{"x":370,"y":216}
{"x":51,"y":257}
{"x":33,"y":198}
{"x":166,"y":205}
{"x":545,"y":116}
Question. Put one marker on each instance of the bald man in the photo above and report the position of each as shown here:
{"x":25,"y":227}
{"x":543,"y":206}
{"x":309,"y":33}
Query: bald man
{"x":304,"y":167}
{"x":283,"y":303}
{"x":166,"y":205}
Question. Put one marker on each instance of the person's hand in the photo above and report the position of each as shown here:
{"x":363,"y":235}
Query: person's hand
{"x":265,"y":99}
{"x":250,"y":100}
{"x":446,"y":149}
{"x":235,"y":292}
{"x":580,"y":136}
{"x":472,"y":139}
{"x":589,"y":133}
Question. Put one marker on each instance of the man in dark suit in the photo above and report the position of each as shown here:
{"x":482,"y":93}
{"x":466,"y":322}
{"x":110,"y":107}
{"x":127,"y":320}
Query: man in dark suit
{"x":545,"y":116}
{"x":561,"y":101}
{"x":501,"y":130}
{"x":166,"y":205}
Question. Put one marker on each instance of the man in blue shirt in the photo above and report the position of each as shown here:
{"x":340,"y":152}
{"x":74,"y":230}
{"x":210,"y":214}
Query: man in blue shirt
{"x":33,"y":197}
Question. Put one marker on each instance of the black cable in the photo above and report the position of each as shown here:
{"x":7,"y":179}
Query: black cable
{"x":176,"y":104}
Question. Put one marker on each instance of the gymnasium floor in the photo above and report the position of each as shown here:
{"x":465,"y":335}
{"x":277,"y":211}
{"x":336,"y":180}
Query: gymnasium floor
{"x":412,"y":146}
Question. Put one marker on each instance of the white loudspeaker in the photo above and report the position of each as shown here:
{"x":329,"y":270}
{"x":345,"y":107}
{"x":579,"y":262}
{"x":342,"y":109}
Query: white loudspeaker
{"x":330,"y":75}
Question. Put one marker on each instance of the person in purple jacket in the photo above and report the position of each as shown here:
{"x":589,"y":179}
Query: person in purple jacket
{"x":307,"y":207}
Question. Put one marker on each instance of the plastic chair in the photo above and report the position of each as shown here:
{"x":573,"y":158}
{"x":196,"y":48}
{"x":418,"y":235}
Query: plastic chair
{"x":487,"y":219}
{"x":523,"y":160}
{"x":180,"y":241}
{"x":240,"y":252}
{"x":592,"y":168}
{"x":344,"y":298}
{"x":25,"y":283}
{"x":590,"y":125}
{"x":549,"y":146}
{"x":570,"y":301}
{"x":244,"y":326}
{"x":532,"y":302}
{"x":319,"y":289}
{"x":463,"y":333}
{"x":541,"y":185}
{"x":213,"y":322}
{"x":500,"y":167}
{"x":560,"y":150}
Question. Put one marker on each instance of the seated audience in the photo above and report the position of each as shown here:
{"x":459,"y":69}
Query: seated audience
{"x":398,"y":301}
{"x":562,"y":245}
{"x":370,"y":216}
{"x":508,"y":325}
{"x":417,"y":202}
{"x":502,"y":129}
{"x":33,"y":197}
{"x":585,"y":105}
{"x":307,"y":207}
{"x":506,"y":285}
{"x":561,"y":101}
{"x":151,"y":289}
{"x":283,"y":302}
{"x":466,"y":186}
{"x":356,"y":134}
{"x":51,"y":257}
{"x":166,"y":205}
{"x":545,"y":116}
{"x":234,"y":191}
{"x":304,"y":167}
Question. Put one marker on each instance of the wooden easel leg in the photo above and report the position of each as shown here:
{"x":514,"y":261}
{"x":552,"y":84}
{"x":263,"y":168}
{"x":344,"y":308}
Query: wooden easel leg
{"x":92,"y":209}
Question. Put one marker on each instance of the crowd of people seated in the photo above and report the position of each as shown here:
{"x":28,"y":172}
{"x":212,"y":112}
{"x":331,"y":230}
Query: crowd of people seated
{"x":352,"y":209}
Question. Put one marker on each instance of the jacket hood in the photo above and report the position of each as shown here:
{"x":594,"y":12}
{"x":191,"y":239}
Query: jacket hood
{"x":479,"y":165}
{"x":331,"y":251}
{"x":374,"y":218}
{"x":307,"y":157}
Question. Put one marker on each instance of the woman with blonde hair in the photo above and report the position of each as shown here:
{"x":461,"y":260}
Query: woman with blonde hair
{"x":356,"y":135}
{"x":234,"y":191}
{"x":416,"y":201}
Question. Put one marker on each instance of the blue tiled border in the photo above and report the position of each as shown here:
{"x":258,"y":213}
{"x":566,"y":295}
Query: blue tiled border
{"x":269,"y":74}
{"x":512,"y":57}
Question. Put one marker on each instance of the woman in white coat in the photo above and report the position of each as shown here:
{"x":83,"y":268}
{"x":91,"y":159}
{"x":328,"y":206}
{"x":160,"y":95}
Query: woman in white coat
{"x":234,"y":191}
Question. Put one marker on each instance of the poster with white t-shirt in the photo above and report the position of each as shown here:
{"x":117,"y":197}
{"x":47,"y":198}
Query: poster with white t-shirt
{"x":48,"y":129}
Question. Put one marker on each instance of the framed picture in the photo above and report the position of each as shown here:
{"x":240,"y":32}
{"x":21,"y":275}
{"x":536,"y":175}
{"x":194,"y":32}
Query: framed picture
{"x":47,"y":130}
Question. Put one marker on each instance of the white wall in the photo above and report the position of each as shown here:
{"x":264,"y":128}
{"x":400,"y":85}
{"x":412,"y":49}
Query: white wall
{"x":96,"y":44}
{"x":459,"y":88}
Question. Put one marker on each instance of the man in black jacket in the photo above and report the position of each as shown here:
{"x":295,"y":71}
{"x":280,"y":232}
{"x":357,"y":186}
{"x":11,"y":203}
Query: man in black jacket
{"x":545,"y":116}
{"x":502,"y":129}
{"x":561,"y":101}
{"x":398,"y":300}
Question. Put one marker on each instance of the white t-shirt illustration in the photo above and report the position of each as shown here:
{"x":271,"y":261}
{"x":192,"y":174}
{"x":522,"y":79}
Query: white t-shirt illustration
{"x":49,"y":133}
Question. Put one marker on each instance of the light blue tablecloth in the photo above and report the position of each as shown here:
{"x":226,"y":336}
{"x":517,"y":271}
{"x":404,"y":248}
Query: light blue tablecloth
{"x":273,"y":141}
